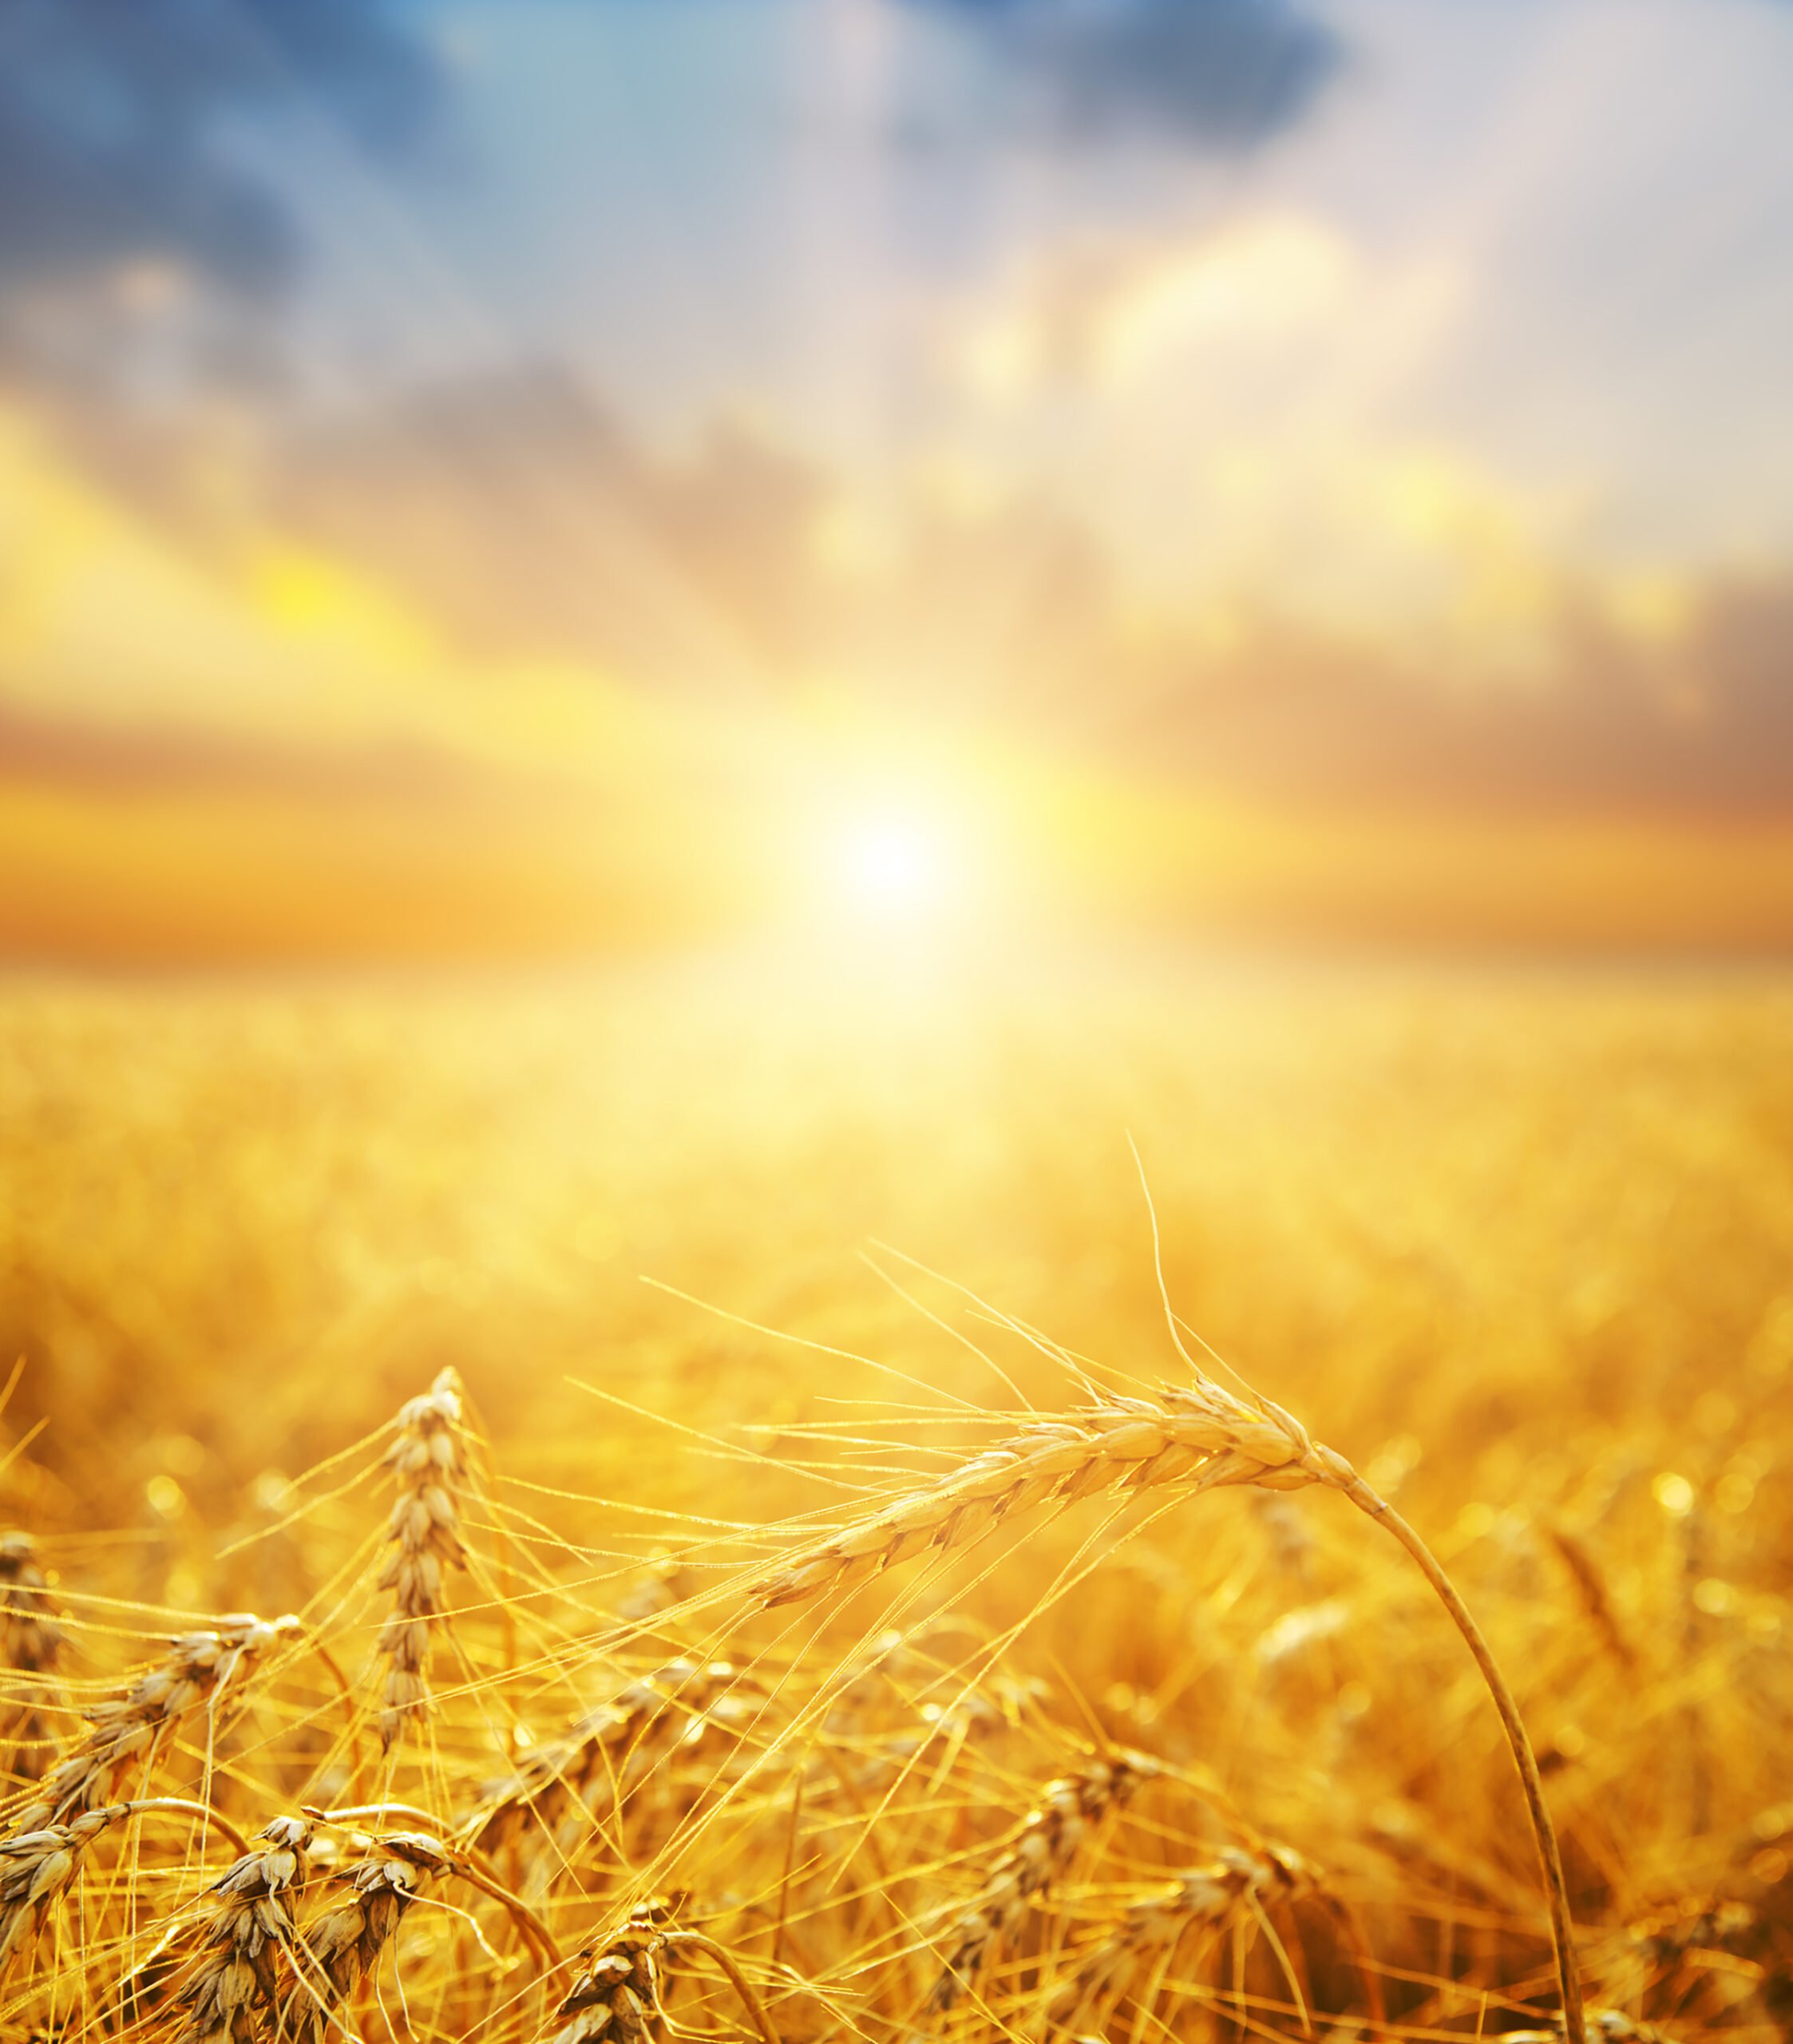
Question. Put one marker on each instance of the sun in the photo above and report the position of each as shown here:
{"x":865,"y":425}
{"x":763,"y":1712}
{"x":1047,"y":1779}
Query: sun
{"x":891,"y":865}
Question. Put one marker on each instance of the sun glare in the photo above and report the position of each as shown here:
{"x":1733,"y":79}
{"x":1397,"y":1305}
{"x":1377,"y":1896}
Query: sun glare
{"x":891,"y":866}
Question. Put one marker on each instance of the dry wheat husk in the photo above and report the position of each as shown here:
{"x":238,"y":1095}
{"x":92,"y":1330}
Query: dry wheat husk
{"x":128,"y":1732}
{"x":233,"y":1989}
{"x":342,"y":1944}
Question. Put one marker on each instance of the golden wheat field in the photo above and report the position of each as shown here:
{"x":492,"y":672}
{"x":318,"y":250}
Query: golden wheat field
{"x":873,"y":1626}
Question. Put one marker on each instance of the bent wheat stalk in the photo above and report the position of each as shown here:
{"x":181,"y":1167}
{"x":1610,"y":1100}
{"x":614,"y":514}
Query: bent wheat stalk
{"x":1192,"y":1437}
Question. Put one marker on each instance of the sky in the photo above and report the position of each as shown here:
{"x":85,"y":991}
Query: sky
{"x":524,"y":472}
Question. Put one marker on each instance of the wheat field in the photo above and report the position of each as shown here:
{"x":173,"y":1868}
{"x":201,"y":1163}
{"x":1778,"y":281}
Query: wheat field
{"x":397,"y":1600}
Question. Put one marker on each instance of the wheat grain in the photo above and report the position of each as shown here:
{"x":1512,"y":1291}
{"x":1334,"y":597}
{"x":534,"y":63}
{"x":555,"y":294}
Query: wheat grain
{"x":128,"y":1732}
{"x":1054,"y":1830}
{"x":251,"y":1922}
{"x":429,"y":1468}
{"x":342,"y":1944}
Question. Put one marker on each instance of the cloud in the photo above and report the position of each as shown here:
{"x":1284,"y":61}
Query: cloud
{"x":1224,"y":75}
{"x":116,"y":162}
{"x":1516,"y":678}
{"x":520,"y":525}
{"x":1102,"y":318}
{"x":1698,"y":723}
{"x":514,"y":509}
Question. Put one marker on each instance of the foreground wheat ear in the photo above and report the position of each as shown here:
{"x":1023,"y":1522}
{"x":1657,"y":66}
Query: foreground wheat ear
{"x":1192,"y":1437}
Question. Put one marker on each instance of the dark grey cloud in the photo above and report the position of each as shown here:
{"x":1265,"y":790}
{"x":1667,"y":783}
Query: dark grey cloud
{"x":1225,"y":75}
{"x":115,"y":118}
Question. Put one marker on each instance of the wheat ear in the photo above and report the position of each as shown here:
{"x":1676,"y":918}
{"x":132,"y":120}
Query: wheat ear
{"x":616,"y":1994}
{"x":1214,"y":1895}
{"x":342,"y":1944}
{"x":562,"y":1788}
{"x":1192,"y":1437}
{"x":128,"y":1730}
{"x":37,"y":1866}
{"x":1054,"y":1829}
{"x":236,"y":1982}
{"x":429,"y":1468}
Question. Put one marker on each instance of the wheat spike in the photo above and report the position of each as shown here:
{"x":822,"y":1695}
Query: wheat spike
{"x":1054,"y":1829}
{"x":1192,"y":1437}
{"x":1213,"y":1895}
{"x":251,"y":1923}
{"x":616,"y":1995}
{"x":128,"y":1731}
{"x":561,"y":1789}
{"x":37,"y":1866}
{"x":1197,"y":1437}
{"x":342,"y":1943}
{"x":429,"y":1468}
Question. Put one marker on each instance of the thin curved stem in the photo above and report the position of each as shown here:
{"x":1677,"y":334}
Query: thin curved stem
{"x":1561,"y":1930}
{"x":718,"y":1955}
{"x":535,"y":1932}
{"x":181,"y":1806}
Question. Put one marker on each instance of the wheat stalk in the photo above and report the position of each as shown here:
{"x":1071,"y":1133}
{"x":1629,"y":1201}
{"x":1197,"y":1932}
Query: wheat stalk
{"x":1192,"y":1437}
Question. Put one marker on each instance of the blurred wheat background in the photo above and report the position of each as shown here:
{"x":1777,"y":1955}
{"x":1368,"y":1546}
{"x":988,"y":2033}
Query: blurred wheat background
{"x":1518,"y":1244}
